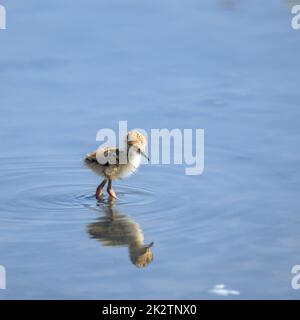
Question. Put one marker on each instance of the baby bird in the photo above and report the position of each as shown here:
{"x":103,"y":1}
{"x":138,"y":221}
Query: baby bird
{"x":114,"y":163}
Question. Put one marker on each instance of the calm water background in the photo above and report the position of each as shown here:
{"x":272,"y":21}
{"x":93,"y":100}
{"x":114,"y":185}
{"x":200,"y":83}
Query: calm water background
{"x":68,"y":70}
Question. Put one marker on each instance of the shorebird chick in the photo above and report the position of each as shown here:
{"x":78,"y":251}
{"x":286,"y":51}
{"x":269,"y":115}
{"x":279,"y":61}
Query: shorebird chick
{"x":114,"y":163}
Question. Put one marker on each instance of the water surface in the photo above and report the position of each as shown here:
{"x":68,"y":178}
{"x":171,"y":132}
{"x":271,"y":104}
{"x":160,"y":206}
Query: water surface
{"x":69,"y":70}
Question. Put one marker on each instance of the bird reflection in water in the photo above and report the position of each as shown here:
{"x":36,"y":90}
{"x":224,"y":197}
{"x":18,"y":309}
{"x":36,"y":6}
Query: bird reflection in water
{"x":116,"y":229}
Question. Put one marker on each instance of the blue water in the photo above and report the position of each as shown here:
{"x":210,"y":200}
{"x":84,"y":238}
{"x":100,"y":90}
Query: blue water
{"x":68,"y":70}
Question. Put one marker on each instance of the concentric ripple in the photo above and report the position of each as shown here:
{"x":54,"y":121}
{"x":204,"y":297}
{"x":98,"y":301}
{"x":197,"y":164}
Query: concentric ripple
{"x":55,"y":190}
{"x":60,"y":190}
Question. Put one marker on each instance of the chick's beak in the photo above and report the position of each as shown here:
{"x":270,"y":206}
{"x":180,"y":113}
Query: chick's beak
{"x":150,"y":245}
{"x":144,"y":155}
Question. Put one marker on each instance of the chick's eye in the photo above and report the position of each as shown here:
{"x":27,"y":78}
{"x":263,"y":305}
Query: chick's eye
{"x":139,"y":151}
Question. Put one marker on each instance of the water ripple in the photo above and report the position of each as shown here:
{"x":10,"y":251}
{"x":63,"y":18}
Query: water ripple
{"x":55,"y":190}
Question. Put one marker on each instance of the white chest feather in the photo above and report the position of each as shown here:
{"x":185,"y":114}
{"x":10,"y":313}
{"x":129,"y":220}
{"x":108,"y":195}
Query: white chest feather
{"x":134,"y":161}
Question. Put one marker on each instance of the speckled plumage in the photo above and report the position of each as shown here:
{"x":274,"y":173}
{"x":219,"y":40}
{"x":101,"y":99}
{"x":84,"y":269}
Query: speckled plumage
{"x":113,"y":163}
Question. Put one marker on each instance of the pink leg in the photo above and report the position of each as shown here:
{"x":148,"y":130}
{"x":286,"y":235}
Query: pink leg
{"x":100,"y":188}
{"x":110,"y":190}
